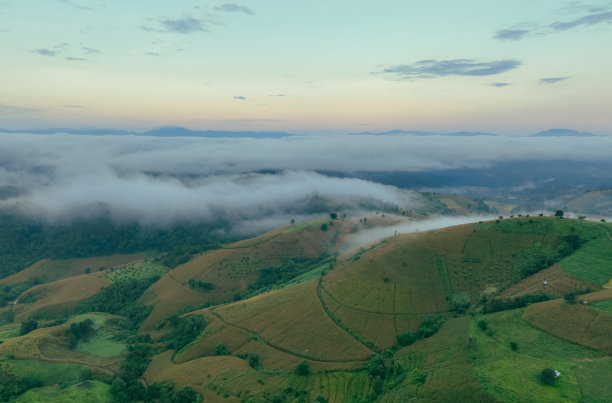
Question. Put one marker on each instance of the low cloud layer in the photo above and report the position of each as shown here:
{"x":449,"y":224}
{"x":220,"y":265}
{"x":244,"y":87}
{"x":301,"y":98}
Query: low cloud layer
{"x":373,"y":235}
{"x":456,"y":67}
{"x":260,"y":181}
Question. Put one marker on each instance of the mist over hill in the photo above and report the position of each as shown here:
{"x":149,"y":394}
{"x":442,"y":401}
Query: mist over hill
{"x":264,"y":182}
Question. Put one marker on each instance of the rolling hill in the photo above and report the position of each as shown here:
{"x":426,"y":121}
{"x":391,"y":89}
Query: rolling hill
{"x":473,"y":312}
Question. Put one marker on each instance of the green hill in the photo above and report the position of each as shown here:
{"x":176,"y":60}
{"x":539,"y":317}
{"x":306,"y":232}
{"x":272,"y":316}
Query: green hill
{"x":473,"y":312}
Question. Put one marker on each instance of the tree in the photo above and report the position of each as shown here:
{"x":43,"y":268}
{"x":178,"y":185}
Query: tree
{"x":28,"y":326}
{"x":559,"y":213}
{"x":302,"y":369}
{"x":222,"y":349}
{"x":547,"y":376}
{"x":333,"y":216}
{"x":483,"y":324}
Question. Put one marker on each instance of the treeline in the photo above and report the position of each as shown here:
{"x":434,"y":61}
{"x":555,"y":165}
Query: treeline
{"x":505,"y":304}
{"x":540,"y":256}
{"x":120,"y":299}
{"x":201,"y":285}
{"x":128,"y":387}
{"x":429,"y":327}
{"x":24,"y":241}
{"x":12,"y":385}
{"x":287,"y":270}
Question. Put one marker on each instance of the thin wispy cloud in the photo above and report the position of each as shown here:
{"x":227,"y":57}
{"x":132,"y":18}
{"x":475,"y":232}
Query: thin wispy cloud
{"x":46,"y":52}
{"x":184,"y":25}
{"x":72,"y":106}
{"x":591,"y":19}
{"x":456,"y":67}
{"x":90,"y":50}
{"x":511,"y":34}
{"x":598,"y":15}
{"x":76,"y":5}
{"x":499,"y":84}
{"x":234,"y":8}
{"x":240,"y":97}
{"x":74,"y":59}
{"x":551,"y":80}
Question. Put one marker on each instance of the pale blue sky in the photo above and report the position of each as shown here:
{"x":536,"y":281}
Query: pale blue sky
{"x":339,"y":66}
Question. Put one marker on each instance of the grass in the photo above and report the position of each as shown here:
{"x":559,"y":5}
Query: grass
{"x":138,"y":271}
{"x":293,"y":320}
{"x":594,"y":379}
{"x":49,"y":373}
{"x":444,"y":363}
{"x":604,"y":306}
{"x":513,"y":375}
{"x":51,"y":270}
{"x":577,"y":323}
{"x":59,"y":296}
{"x":102,"y":344}
{"x":82,"y":392}
{"x":591,"y":262}
{"x":9,"y":331}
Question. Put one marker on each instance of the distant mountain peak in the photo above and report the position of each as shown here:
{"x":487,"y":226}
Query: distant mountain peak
{"x":563,"y":133}
{"x":418,"y":133}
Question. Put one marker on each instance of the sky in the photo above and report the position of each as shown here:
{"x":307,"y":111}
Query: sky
{"x":307,"y":67}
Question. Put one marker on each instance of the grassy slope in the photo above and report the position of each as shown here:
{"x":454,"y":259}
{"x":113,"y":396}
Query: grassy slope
{"x":51,"y":270}
{"x":58,"y":296}
{"x":233,"y":269}
{"x":293,"y":319}
{"x":577,"y":323}
{"x":82,"y":392}
{"x":513,"y":375}
{"x":385,"y":291}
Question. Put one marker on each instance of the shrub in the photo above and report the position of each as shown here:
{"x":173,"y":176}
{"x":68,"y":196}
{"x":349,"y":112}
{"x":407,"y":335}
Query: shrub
{"x":547,"y":376}
{"x":513,"y":346}
{"x":222,"y":349}
{"x":483,"y":325}
{"x":253,"y":360}
{"x":406,"y":339}
{"x":28,"y":326}
{"x":302,"y":369}
{"x":570,"y":297}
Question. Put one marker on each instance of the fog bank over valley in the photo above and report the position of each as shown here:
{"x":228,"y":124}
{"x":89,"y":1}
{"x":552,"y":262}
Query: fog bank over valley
{"x":262,"y":183}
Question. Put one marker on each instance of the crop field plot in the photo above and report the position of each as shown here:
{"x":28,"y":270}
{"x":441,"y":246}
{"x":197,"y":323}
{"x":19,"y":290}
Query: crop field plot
{"x":81,"y":392}
{"x":511,"y":374}
{"x":391,"y":278}
{"x":595,"y":378}
{"x":139,"y":271}
{"x":577,"y":323}
{"x":50,"y":373}
{"x":51,"y":270}
{"x":294,"y":320}
{"x":58,"y":296}
{"x":438,"y":368}
{"x":9,"y":331}
{"x":169,"y":296}
{"x":378,"y":329}
{"x":551,"y":281}
{"x":102,"y":344}
{"x":215,"y":333}
{"x":592,"y":262}
{"x":604,"y":306}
